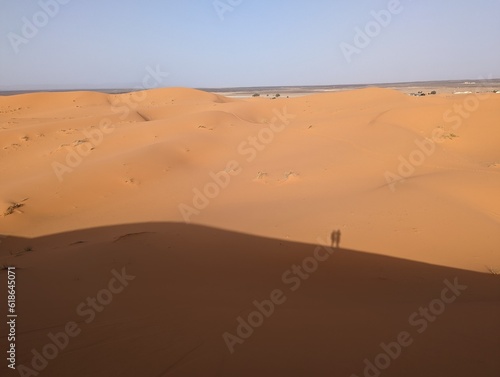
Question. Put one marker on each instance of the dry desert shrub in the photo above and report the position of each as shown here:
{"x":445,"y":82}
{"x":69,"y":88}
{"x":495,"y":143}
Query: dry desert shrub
{"x":14,"y":207}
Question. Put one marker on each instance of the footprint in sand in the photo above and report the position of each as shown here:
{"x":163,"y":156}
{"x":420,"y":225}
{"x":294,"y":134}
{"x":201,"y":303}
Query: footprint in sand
{"x":132,"y":182}
{"x":210,"y":129}
{"x":77,"y":243}
{"x":13,"y":146}
{"x":290,"y":177}
{"x":80,"y":141}
{"x":67,"y":131}
{"x":261,"y":177}
{"x":129,"y":235}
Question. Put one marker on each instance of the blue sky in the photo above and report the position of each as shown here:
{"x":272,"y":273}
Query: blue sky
{"x":111,"y":43}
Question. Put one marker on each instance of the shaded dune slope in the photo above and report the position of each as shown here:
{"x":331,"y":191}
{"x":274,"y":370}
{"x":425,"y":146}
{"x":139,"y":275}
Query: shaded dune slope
{"x":192,"y":282}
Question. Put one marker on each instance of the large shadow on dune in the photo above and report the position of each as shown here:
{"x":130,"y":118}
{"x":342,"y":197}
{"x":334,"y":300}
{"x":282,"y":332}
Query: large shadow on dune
{"x":169,"y":299}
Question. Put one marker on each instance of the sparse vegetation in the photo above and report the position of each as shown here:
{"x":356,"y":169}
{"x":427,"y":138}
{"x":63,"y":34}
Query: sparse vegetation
{"x":261,"y":175}
{"x":450,"y":135}
{"x":289,"y":174}
{"x":447,"y":135}
{"x":256,"y":95}
{"x":13,"y":207}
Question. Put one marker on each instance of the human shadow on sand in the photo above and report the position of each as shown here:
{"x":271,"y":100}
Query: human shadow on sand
{"x":339,"y":309}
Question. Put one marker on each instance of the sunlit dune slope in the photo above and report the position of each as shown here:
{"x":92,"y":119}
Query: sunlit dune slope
{"x":416,"y":178}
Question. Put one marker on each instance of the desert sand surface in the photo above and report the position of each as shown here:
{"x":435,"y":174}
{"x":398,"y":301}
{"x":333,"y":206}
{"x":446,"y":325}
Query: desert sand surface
{"x":207,"y":202}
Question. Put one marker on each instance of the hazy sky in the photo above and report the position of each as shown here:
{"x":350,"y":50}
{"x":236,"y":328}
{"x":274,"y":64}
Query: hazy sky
{"x":224,"y":43}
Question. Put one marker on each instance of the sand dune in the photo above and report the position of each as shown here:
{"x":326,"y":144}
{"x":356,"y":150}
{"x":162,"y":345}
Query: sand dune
{"x":192,"y":283}
{"x":79,"y":170}
{"x":325,"y":169}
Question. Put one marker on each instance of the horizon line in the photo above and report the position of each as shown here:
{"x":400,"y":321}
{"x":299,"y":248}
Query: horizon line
{"x":261,"y":87}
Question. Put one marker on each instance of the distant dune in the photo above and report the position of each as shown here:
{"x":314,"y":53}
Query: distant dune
{"x":208,"y":199}
{"x":329,"y":167}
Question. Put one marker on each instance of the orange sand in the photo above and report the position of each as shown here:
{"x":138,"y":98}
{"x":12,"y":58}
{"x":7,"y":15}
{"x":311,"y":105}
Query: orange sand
{"x":284,"y":174}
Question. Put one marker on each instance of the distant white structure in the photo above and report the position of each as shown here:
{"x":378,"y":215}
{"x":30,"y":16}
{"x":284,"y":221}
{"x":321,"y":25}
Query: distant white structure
{"x":462,"y":93}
